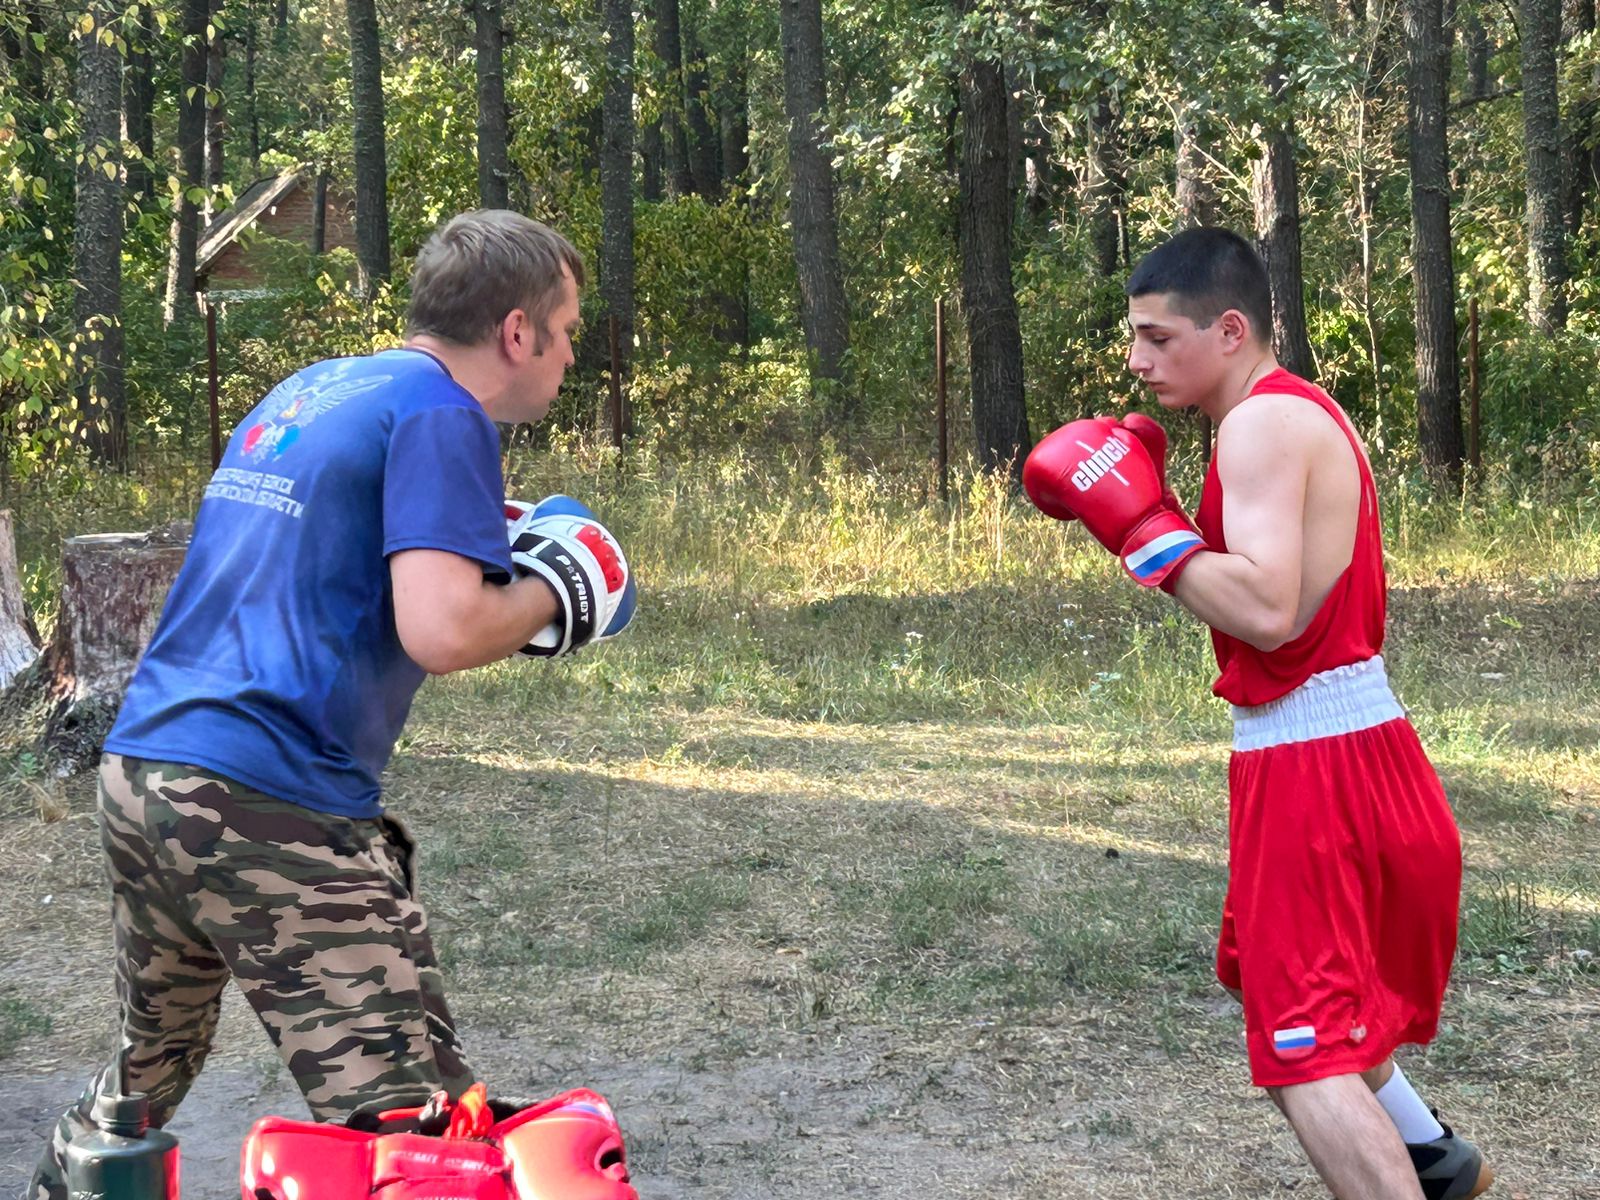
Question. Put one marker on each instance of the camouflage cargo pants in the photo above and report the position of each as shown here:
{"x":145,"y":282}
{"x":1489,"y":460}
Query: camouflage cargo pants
{"x":314,"y":916}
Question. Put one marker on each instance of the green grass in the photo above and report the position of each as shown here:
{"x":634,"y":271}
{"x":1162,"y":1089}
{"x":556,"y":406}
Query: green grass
{"x":20,"y":1020}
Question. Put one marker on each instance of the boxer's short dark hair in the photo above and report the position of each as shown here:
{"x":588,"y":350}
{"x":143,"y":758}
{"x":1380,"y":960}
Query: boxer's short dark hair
{"x":478,"y":266}
{"x":1207,"y":271}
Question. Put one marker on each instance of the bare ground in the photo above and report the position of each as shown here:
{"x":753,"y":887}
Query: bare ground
{"x":812,"y":960}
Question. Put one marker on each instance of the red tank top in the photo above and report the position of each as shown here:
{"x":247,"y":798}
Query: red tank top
{"x":1348,"y":628}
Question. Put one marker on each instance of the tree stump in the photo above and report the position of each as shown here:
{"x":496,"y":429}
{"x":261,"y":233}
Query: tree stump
{"x":19,"y":637}
{"x":112,"y":589}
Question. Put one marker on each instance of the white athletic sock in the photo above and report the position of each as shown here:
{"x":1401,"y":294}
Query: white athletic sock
{"x":1406,"y":1109}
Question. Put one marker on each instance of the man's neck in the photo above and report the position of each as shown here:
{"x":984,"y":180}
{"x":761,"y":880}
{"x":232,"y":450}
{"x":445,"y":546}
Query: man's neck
{"x":470,"y":366}
{"x":1238,"y":384}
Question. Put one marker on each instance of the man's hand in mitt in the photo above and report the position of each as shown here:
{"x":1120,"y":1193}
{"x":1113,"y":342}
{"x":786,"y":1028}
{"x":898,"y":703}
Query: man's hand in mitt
{"x":562,"y":542}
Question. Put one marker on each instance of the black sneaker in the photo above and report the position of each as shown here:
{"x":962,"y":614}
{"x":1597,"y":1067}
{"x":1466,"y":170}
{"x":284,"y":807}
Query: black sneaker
{"x":1450,"y":1167}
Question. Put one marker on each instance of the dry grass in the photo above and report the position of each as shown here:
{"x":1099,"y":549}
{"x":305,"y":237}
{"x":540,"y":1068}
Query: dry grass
{"x":884,"y":856}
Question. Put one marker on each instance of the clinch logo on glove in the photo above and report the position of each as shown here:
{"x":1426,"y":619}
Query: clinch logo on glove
{"x":1100,"y":463}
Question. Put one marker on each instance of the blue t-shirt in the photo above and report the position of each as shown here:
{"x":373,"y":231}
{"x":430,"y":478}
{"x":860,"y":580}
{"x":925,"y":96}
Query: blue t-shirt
{"x":276,"y":661}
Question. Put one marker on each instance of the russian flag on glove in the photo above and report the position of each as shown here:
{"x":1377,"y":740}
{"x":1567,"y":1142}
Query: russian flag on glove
{"x":1099,"y":473}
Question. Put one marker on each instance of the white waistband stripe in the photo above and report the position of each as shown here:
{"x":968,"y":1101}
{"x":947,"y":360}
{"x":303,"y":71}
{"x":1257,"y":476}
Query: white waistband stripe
{"x":1342,"y":700}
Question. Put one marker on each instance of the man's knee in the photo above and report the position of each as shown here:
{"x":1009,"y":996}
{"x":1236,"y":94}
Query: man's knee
{"x":1379,"y":1075}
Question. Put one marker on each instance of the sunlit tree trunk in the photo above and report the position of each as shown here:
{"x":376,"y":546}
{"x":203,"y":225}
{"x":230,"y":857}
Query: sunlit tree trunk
{"x":97,"y":237}
{"x":191,"y":135}
{"x":1546,"y":168}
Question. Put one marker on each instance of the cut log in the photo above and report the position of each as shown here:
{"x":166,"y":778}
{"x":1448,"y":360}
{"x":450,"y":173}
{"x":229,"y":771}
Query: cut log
{"x":19,"y":637}
{"x":112,"y":589}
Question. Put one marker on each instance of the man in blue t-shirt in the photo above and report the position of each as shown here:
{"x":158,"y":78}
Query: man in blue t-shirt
{"x":352,"y":541}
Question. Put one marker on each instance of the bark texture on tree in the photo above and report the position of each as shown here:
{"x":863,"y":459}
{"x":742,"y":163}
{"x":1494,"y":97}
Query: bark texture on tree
{"x":674,"y":133}
{"x":19,"y":636}
{"x":1578,"y":133}
{"x":140,"y":102}
{"x":1433,"y":269}
{"x":97,"y":239}
{"x":216,"y":106}
{"x":812,"y":212}
{"x":371,"y":169}
{"x":1546,"y":167}
{"x":252,"y":108}
{"x":1105,"y":192}
{"x":616,"y":178}
{"x":704,"y":150}
{"x":651,"y":155}
{"x":994,"y":333}
{"x":1196,"y":195}
{"x":191,"y":137}
{"x":494,"y":154}
{"x":1275,"y":192}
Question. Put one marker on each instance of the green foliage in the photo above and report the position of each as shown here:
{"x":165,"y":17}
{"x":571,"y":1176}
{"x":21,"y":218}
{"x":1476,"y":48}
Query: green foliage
{"x":893,"y":133}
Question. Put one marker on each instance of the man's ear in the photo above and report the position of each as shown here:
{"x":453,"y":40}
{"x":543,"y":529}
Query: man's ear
{"x":516,"y":335}
{"x":1236,"y":329}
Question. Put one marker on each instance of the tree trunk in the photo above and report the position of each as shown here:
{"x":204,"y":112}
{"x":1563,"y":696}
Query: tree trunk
{"x":1438,"y":381}
{"x":1275,"y":191}
{"x":1105,"y":192}
{"x":811,"y":201}
{"x":1196,"y":196}
{"x":1580,"y":171}
{"x":97,"y":239}
{"x":112,"y":589}
{"x":1475,"y":40}
{"x":651,"y":153}
{"x":734,"y":112}
{"x":140,"y":100}
{"x":1546,"y":181}
{"x":216,"y":109}
{"x":19,"y":637}
{"x":616,"y":179}
{"x":191,"y":162}
{"x":703,"y":148}
{"x":494,"y":154}
{"x":252,"y":107}
{"x":371,"y":169}
{"x":674,"y":135}
{"x":319,"y":215}
{"x":994,"y":335}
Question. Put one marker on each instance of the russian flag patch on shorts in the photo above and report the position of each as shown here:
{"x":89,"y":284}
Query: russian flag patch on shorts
{"x":1298,"y":1041}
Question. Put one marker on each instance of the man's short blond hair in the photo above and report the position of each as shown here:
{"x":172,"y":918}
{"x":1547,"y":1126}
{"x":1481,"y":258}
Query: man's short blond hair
{"x":478,"y":266}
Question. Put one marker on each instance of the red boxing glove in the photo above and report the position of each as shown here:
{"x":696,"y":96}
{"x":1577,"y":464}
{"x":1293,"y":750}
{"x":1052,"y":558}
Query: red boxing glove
{"x":1100,"y":473}
{"x":1153,"y":436}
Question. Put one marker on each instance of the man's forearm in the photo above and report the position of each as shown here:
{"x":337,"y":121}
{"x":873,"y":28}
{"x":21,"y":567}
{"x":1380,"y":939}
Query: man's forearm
{"x":1232,"y":594}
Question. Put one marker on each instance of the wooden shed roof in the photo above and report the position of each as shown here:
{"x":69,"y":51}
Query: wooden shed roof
{"x":227,"y":225}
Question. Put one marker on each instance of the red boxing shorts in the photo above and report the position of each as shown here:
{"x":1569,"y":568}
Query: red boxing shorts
{"x":1344,"y":879}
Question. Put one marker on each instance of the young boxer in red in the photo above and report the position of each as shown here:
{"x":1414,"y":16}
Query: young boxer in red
{"x":1344,"y":859}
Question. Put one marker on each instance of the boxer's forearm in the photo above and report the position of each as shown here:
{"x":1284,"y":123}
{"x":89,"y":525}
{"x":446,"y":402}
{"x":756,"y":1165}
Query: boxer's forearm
{"x":1231,"y":593}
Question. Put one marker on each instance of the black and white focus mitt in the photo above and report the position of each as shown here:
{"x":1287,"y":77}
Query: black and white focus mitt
{"x":560,"y":541}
